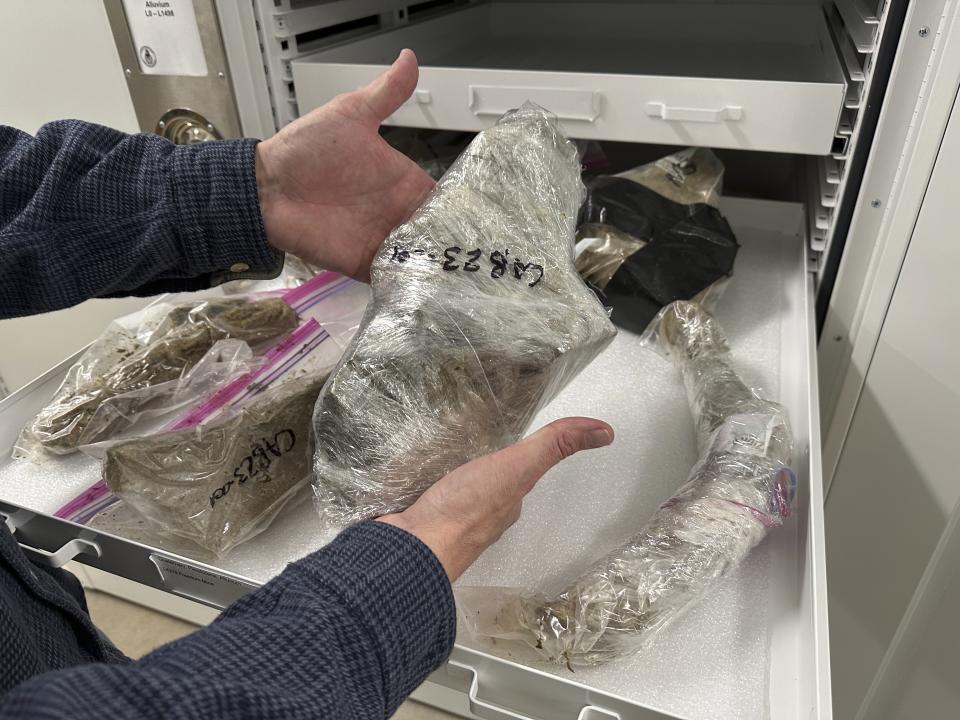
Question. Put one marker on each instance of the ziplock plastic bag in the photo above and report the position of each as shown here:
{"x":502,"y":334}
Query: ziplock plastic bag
{"x":693,"y":175}
{"x":107,"y":384}
{"x":653,"y":235}
{"x":121,"y":519}
{"x":217,"y":473}
{"x":739,"y":490}
{"x":220,"y":483}
{"x":478,"y":319}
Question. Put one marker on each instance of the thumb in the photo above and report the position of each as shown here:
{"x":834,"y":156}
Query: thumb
{"x":522,"y":464}
{"x":389,"y":90}
{"x":467,"y":510}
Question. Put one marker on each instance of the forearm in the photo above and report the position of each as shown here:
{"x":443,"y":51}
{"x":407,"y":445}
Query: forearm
{"x":86,"y":211}
{"x":348,"y":632}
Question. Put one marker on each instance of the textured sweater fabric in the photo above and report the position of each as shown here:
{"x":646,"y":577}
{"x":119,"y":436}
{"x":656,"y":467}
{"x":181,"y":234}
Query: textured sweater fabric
{"x":86,"y":211}
{"x":347,"y":632}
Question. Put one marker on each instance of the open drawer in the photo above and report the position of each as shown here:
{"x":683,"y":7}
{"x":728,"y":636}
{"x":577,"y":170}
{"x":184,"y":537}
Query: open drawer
{"x":757,"y":645}
{"x":718,"y":75}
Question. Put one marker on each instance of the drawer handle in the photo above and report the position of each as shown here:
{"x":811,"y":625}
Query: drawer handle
{"x":565,"y":103}
{"x":592,"y":712}
{"x":419,"y":97}
{"x":61,"y":557}
{"x":688,"y":114}
{"x":481,"y":708}
{"x":488,"y":711}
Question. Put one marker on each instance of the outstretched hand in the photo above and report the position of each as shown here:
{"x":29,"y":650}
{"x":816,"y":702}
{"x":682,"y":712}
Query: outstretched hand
{"x":331,"y":189}
{"x":468,"y":510}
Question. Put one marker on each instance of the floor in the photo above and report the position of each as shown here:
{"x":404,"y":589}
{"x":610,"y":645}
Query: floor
{"x":137,"y":630}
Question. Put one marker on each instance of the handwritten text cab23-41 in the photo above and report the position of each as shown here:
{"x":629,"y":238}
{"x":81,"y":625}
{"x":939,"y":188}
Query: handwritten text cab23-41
{"x":456,"y":259}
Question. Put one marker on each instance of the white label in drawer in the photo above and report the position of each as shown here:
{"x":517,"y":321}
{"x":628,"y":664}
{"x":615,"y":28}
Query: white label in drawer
{"x":565,"y":103}
{"x":199,"y":583}
{"x":166,"y":37}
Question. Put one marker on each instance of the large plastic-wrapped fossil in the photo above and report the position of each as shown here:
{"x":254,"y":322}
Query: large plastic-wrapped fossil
{"x":478,"y":319}
{"x":740,"y":488}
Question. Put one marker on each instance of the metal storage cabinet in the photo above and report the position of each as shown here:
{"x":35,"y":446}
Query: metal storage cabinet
{"x":894,"y":582}
{"x":851,"y":90}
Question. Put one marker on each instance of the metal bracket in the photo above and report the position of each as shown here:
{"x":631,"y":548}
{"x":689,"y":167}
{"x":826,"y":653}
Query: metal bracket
{"x":16,"y":519}
{"x":481,"y":708}
{"x":65,"y":554}
{"x":488,"y":711}
{"x":592,"y":712}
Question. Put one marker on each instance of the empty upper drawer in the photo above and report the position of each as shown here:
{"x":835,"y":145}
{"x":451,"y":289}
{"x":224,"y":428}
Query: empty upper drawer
{"x":737,"y":76}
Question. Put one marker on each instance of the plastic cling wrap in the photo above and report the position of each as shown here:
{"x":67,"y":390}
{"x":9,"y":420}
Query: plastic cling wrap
{"x":740,"y":488}
{"x":478,"y":319}
{"x":110,"y":383}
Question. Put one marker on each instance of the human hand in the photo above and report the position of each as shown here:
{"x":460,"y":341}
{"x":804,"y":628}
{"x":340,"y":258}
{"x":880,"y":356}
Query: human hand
{"x":331,"y":189}
{"x":469,"y":509}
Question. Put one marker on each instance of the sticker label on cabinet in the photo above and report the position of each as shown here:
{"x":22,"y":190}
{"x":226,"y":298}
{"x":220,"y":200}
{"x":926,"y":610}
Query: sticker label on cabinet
{"x":199,"y":583}
{"x":166,"y":37}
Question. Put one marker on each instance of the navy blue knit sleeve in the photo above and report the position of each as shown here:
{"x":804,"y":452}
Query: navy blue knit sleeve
{"x":86,"y":211}
{"x":347,"y":632}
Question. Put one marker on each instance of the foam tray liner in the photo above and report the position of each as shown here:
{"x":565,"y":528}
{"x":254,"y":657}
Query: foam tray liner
{"x":713,"y":662}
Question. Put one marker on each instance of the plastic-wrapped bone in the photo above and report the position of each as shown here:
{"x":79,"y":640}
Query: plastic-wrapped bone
{"x":478,"y":319}
{"x":739,"y":490}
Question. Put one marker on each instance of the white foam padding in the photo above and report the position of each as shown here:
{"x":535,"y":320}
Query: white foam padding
{"x":712,"y":663}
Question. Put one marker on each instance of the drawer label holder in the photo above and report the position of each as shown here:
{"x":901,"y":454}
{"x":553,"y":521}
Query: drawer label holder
{"x":202,"y":584}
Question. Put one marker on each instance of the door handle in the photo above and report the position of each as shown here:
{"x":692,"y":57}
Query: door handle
{"x":694,"y":114}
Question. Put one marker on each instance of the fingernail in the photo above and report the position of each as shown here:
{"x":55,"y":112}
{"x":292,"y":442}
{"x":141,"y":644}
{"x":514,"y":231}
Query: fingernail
{"x":599,"y":438}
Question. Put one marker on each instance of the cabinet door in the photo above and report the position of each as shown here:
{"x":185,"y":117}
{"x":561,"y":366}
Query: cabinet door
{"x":888,"y":513}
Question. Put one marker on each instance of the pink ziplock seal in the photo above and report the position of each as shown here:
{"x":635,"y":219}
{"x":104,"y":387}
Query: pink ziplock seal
{"x":300,"y":297}
{"x":92,"y":494}
{"x":295,"y":342}
{"x":305,"y":338}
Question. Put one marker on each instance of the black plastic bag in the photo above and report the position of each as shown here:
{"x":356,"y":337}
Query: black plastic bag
{"x":665,"y":250}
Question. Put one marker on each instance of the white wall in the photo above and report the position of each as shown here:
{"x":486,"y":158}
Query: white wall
{"x":58,"y":60}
